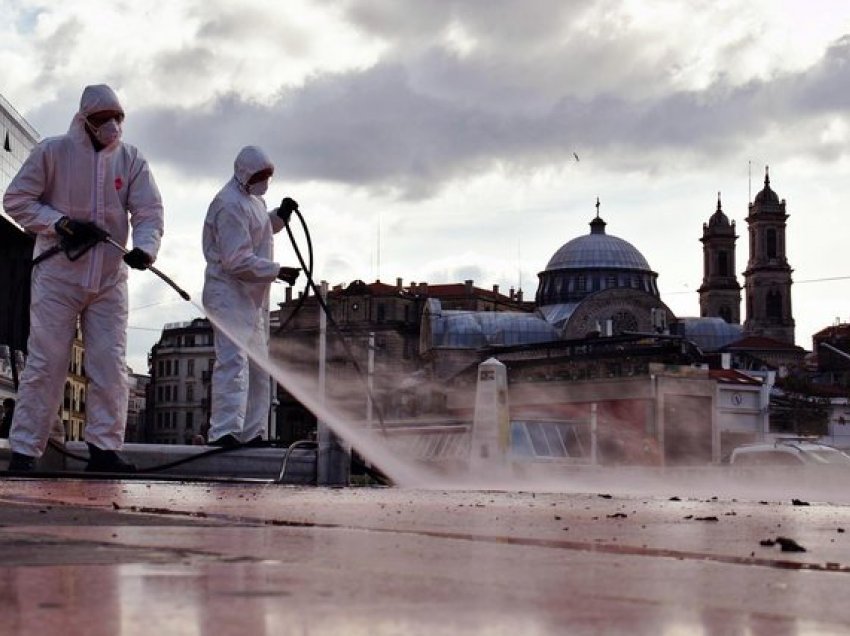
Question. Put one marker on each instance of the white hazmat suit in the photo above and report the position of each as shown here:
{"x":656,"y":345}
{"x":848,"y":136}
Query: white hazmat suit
{"x":65,"y":176}
{"x":239,"y":249}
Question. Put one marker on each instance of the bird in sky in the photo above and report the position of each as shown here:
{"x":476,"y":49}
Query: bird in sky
{"x":576,"y":156}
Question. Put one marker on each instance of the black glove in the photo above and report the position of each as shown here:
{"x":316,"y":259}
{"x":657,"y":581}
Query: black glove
{"x":75,"y":234}
{"x":287,"y":207}
{"x":289,"y":274}
{"x":137,"y":259}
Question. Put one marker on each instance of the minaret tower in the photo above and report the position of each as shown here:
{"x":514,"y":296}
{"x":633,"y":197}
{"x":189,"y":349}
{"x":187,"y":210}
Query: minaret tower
{"x":720,"y":293}
{"x":767,"y":281}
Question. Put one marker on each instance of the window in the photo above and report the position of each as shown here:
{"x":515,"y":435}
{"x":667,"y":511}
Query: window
{"x":190,"y":392}
{"x":774,"y":305}
{"x":190,"y":367}
{"x":770,"y":240}
{"x":723,"y":263}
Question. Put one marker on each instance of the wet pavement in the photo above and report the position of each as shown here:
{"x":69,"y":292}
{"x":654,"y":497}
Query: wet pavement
{"x":136,"y":557}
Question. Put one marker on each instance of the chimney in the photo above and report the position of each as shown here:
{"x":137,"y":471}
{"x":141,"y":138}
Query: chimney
{"x":495,"y":289}
{"x":469,"y":287}
{"x":412,"y":287}
{"x":512,"y":294}
{"x":519,"y":296}
{"x":398,"y":283}
{"x":423,"y":289}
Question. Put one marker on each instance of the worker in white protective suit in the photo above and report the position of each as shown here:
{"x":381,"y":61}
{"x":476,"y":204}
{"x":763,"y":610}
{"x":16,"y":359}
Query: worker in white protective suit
{"x":71,"y":192}
{"x":239,"y":250}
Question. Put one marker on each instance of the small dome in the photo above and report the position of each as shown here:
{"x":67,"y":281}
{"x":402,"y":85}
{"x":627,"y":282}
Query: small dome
{"x":766,"y":196}
{"x":719,"y":218}
{"x":598,"y":250}
{"x":709,"y":334}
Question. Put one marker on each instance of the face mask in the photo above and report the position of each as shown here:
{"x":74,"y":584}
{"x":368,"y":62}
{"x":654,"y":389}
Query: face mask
{"x":108,"y":133}
{"x":258,"y":189}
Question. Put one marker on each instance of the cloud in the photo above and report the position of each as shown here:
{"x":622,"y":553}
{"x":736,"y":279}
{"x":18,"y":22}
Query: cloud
{"x":416,"y":97}
{"x":375,"y":129}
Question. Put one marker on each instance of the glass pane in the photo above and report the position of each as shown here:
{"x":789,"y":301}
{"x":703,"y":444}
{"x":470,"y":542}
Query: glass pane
{"x":556,"y":447}
{"x":520,"y":444}
{"x":538,"y":439}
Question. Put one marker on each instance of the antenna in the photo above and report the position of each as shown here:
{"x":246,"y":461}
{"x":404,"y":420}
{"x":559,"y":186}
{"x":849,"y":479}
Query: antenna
{"x":378,"y":258}
{"x":749,"y":181}
{"x":519,"y":263}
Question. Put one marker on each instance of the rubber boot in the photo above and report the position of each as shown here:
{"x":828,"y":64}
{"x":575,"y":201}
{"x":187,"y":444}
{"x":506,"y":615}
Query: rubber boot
{"x":107,"y":461}
{"x":20,"y":463}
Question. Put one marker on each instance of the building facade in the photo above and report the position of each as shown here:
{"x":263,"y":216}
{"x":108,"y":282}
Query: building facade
{"x":137,"y":405}
{"x":73,"y":409}
{"x":18,"y":138}
{"x":177,"y":401}
{"x":379,"y":341}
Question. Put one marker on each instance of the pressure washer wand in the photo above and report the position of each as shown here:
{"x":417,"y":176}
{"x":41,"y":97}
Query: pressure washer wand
{"x":170,"y":282}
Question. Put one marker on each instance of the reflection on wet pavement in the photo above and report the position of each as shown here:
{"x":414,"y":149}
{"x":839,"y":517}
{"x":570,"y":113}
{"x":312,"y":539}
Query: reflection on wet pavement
{"x":134,"y":557}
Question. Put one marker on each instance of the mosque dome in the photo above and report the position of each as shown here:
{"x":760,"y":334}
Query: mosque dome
{"x":590,"y":264}
{"x":598,"y":250}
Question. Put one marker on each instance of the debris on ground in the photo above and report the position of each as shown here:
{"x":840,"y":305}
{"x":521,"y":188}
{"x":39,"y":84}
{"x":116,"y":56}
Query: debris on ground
{"x":786,"y":544}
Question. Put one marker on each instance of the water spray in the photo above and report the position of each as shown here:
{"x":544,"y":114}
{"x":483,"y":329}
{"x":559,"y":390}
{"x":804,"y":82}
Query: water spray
{"x":308,"y":272}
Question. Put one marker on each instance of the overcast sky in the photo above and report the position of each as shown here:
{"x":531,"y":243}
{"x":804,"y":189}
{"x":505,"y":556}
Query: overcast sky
{"x":437,"y":141}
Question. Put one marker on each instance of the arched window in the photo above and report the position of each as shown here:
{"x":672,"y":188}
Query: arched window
{"x":67,"y":400}
{"x":774,"y":305}
{"x":723,"y":263}
{"x":770,"y":241}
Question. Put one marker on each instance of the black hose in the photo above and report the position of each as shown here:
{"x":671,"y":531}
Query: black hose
{"x":308,"y":272}
{"x":343,"y":339}
{"x":150,"y":469}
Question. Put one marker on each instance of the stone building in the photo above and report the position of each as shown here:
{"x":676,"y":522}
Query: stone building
{"x":720,"y":292}
{"x":72,"y":412}
{"x":180,"y":365}
{"x":390,"y":316}
{"x":767,"y":279}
